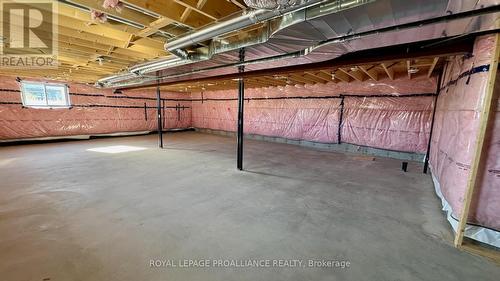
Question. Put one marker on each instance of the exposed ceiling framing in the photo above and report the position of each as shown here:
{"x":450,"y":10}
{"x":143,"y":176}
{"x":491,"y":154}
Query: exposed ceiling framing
{"x":363,"y":72}
{"x":90,"y":50}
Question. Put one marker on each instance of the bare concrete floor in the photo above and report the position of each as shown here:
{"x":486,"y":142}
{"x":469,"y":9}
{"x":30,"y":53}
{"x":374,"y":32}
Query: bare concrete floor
{"x":71,"y":214}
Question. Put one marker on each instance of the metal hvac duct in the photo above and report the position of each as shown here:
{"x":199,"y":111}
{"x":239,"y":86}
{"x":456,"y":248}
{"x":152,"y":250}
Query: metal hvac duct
{"x":116,"y":78}
{"x":284,"y":18}
{"x":245,"y":20}
{"x":156,"y":65}
{"x":272,"y":4}
{"x":327,"y":31}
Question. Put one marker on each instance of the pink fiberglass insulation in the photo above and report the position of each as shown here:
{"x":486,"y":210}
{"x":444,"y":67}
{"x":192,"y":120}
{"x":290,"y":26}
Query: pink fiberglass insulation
{"x":455,"y":131}
{"x":401,"y":124}
{"x":312,"y":112}
{"x":113,"y":4}
{"x":94,"y":111}
{"x":315,"y":120}
{"x":485,"y":208}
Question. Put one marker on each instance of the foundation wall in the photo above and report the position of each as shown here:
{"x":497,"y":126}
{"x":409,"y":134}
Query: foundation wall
{"x":93,"y":111}
{"x":393,"y":115}
{"x":455,"y":131}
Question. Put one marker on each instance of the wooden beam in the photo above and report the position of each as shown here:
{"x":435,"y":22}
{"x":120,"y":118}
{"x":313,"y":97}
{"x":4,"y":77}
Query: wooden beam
{"x":171,"y":10}
{"x":433,"y":65}
{"x":486,"y":119}
{"x":342,"y":76}
{"x":259,"y":81}
{"x":238,"y":4}
{"x":74,"y":60}
{"x":314,"y":78}
{"x":388,"y":70}
{"x":89,"y":37}
{"x":273,"y":81}
{"x":196,"y":8}
{"x":323,"y":75}
{"x":408,"y":67}
{"x":95,"y":42}
{"x":104,"y":31}
{"x":125,"y":13}
{"x":153,"y":27}
{"x":300,"y":78}
{"x":91,"y":48}
{"x":84,"y":16}
{"x":330,"y":73}
{"x":479,"y":250}
{"x":291,"y":80}
{"x":94,"y":53}
{"x":51,"y":75}
{"x":357,"y":74}
{"x":370,"y":71}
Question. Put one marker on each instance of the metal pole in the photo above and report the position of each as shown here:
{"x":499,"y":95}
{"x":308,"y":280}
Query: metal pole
{"x":158,"y":104}
{"x":241,"y":101}
{"x":339,"y":133}
{"x":427,"y":154}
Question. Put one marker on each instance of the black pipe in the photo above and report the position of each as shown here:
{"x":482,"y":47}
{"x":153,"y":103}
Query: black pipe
{"x":427,"y":154}
{"x":339,"y":134}
{"x":145,"y":111}
{"x":158,"y":104}
{"x":241,"y":101}
{"x":404,"y":166}
{"x":163,"y":126}
{"x":178,"y":108}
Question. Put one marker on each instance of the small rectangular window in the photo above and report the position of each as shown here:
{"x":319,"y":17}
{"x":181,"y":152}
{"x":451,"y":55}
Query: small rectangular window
{"x":44,"y":95}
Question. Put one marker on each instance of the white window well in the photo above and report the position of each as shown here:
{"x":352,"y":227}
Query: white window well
{"x":44,"y":95}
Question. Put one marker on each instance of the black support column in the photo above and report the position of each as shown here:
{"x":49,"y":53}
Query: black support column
{"x":158,"y":104}
{"x":428,"y":153}
{"x":241,"y":102}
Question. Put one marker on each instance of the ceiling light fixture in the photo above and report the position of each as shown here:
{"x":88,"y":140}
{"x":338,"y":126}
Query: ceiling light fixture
{"x":413,"y":70}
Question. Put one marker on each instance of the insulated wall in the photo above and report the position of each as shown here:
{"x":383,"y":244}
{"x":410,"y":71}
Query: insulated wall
{"x":455,"y":131}
{"x":388,"y":114}
{"x":395,"y":123}
{"x":93,"y":111}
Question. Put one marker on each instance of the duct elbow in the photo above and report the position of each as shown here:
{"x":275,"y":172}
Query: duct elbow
{"x":180,"y":53}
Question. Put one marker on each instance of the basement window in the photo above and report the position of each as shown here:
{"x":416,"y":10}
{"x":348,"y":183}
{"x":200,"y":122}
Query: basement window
{"x":44,"y":95}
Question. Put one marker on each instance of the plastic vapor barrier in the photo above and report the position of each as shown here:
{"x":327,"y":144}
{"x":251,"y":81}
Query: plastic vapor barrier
{"x":453,"y":142}
{"x":92,"y":111}
{"x":401,"y":124}
{"x":394,"y":115}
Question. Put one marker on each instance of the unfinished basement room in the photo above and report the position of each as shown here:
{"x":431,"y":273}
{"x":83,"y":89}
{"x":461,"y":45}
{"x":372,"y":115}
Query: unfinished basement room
{"x":249,"y":140}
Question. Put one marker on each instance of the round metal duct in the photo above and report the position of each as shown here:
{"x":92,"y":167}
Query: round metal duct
{"x":273,"y":4}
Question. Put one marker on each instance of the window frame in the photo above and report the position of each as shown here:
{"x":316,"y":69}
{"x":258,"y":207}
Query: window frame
{"x":47,"y":105}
